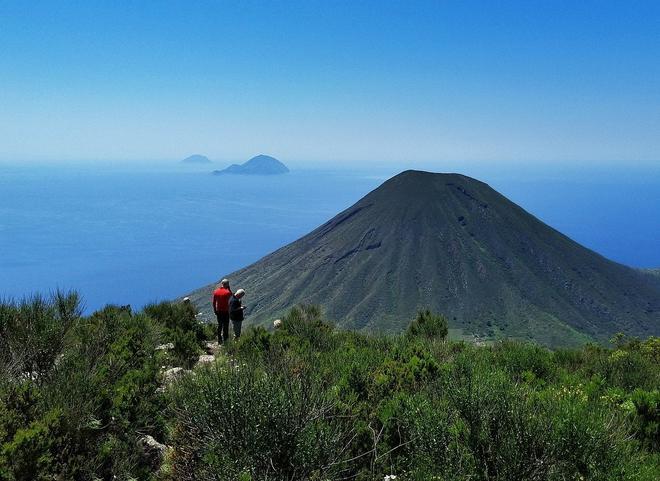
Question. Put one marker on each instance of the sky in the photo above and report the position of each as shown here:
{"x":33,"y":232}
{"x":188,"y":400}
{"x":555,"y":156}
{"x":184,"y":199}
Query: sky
{"x":331,"y":81}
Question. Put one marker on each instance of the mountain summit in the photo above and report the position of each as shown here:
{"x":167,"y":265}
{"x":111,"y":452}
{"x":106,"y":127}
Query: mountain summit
{"x":453,"y":244}
{"x":259,"y":165}
{"x":196,"y":159}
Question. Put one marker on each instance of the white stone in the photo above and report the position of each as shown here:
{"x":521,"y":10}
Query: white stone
{"x":205,"y":359}
{"x":173,"y":373}
{"x":212,"y":347}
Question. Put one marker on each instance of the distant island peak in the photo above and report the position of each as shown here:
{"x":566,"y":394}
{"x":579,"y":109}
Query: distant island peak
{"x":196,"y":159}
{"x":258,"y":165}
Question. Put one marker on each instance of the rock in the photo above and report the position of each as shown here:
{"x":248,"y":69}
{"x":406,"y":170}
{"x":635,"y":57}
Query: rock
{"x":277,"y":323}
{"x":212,"y":347}
{"x":165,"y":347}
{"x":172,"y":374}
{"x":152,"y":450}
{"x":205,"y":359}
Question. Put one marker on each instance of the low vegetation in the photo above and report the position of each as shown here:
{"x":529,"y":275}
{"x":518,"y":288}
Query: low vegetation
{"x":311,"y":402}
{"x":77,"y":392}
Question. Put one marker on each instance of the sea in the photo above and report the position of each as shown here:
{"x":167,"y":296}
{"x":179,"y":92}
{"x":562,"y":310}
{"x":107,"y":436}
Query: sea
{"x":136,"y":233}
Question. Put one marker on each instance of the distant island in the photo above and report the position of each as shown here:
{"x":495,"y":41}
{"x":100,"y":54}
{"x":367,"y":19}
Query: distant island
{"x":259,"y":165}
{"x":196,"y":159}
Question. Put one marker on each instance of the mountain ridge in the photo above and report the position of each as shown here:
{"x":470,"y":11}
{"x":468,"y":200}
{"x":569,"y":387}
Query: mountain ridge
{"x":453,"y":244}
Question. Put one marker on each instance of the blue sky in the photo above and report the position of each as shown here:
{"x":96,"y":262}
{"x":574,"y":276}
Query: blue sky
{"x":330,"y":81}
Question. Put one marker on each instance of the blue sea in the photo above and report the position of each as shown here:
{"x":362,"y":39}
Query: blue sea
{"x":133,"y":234}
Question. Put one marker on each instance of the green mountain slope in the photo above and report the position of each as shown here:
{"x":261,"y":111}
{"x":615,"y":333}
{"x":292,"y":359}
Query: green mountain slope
{"x":452,"y":244}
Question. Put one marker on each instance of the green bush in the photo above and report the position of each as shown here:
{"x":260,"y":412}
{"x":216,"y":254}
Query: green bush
{"x":645,"y":409}
{"x":180,"y":327}
{"x":237,"y":420}
{"x":255,"y":339}
{"x":36,"y":450}
{"x":428,"y":325}
{"x":33,"y":333}
{"x":525,"y":361}
{"x":307,"y":328}
{"x":310,"y":402}
{"x":517,"y":432}
{"x":74,"y":409}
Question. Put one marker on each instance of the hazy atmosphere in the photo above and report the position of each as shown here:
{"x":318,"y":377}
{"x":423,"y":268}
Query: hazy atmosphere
{"x":332,"y":82}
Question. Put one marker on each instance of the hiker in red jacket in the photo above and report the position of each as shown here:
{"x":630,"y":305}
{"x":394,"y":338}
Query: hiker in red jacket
{"x":221,"y":298}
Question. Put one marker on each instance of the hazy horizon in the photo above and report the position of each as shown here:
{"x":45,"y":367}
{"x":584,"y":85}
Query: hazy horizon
{"x":326,"y":83}
{"x":622,"y":171}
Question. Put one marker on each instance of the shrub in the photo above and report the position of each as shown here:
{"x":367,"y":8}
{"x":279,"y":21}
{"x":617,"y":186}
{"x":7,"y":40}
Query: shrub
{"x":180,"y":327}
{"x":34,"y":331}
{"x":79,"y":418}
{"x":514,"y":432}
{"x":36,"y":449}
{"x":309,"y":402}
{"x":240,"y":420}
{"x":645,"y":408}
{"x":255,"y":340}
{"x":305,"y":324}
{"x":524,"y":361}
{"x":428,"y":325}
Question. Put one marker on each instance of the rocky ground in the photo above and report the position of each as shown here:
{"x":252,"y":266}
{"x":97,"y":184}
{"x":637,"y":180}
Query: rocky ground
{"x":154,"y":450}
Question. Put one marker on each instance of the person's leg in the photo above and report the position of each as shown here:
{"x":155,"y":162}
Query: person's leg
{"x":219,"y":319}
{"x":225,"y":326}
{"x":237,"y":328}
